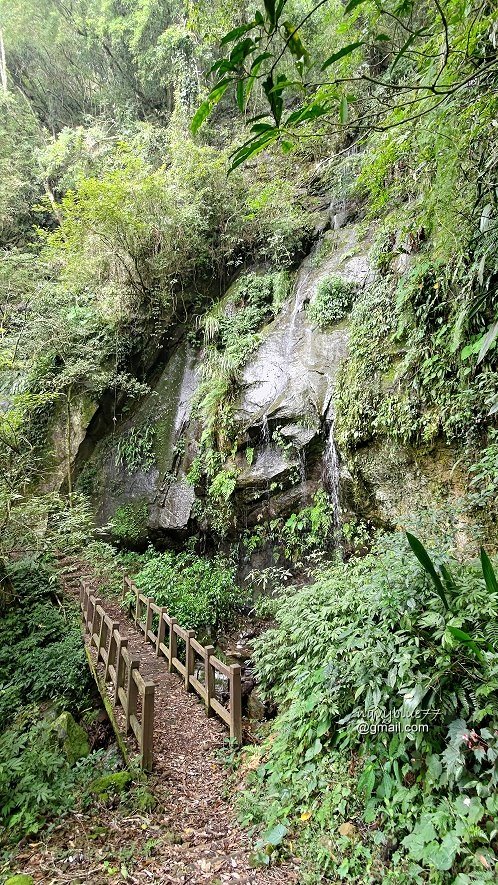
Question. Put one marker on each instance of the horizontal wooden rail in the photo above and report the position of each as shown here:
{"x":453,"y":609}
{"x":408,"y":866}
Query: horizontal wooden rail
{"x":121,"y":669}
{"x":165,"y":638}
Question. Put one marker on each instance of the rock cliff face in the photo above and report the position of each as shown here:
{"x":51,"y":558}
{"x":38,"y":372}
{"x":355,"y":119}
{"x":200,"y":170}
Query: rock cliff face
{"x":284,"y":414}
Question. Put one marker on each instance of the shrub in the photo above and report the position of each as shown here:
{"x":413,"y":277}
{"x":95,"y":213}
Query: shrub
{"x":199,"y":592}
{"x":41,"y":651}
{"x":129,"y":523}
{"x":371,"y":641}
{"x":332,"y":302}
{"x":36,"y":780}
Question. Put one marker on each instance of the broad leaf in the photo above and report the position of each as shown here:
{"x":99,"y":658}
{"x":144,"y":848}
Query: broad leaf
{"x":237,"y":32}
{"x":343,"y":110}
{"x":352,"y":5}
{"x":296,"y":45}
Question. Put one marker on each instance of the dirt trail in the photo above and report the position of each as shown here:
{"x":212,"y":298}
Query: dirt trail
{"x":191,"y":837}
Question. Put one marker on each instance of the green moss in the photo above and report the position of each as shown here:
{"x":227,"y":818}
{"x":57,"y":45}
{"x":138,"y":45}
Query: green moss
{"x":20,"y":879}
{"x":72,"y":737}
{"x":110,"y":784}
{"x":129,"y":523}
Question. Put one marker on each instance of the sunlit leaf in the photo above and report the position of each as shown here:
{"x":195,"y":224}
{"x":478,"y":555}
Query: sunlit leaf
{"x":295,"y":43}
{"x":489,"y":340}
{"x":352,"y":5}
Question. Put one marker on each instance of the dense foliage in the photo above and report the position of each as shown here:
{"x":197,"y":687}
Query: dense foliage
{"x":41,"y":653}
{"x":163,"y":170}
{"x":388,"y":724}
{"x":200,"y":593}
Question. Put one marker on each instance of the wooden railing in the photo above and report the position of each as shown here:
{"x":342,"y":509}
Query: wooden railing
{"x":165,"y":640}
{"x":131,"y":691}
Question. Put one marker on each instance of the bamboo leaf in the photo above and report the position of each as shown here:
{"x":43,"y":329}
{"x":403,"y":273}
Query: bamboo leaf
{"x":240,"y":93}
{"x":488,"y":572}
{"x":425,"y":560}
{"x":341,"y":53}
{"x":489,"y":339}
{"x":467,"y":640}
{"x":207,"y":106}
{"x":295,"y":44}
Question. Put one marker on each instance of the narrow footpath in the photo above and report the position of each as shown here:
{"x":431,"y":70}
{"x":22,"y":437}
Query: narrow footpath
{"x":192,"y":835}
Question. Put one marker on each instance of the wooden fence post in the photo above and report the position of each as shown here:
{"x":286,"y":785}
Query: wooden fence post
{"x":137,"y":606}
{"x":147,"y":726}
{"x":209,"y":678}
{"x":102,"y":634}
{"x":96,"y":603}
{"x":148,"y":618}
{"x":235,"y":703}
{"x":120,"y":667}
{"x":131,"y":692}
{"x":161,"y":631}
{"x":173,"y":645}
{"x":189,"y":659}
{"x":111,"y":649}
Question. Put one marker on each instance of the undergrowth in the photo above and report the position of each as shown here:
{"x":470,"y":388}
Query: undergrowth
{"x":382,"y":763}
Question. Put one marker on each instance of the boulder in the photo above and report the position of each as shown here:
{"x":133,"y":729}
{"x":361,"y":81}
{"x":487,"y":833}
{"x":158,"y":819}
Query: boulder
{"x":72,"y":738}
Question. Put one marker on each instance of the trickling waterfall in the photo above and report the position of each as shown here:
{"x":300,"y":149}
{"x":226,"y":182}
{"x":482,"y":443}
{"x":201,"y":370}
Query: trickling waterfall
{"x":265,"y":431}
{"x":331,"y":474}
{"x":301,"y":294}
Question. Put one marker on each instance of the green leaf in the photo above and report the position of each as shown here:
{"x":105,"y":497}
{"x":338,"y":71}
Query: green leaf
{"x":274,"y":836}
{"x":308,"y":112}
{"x":343,"y":110}
{"x":295,"y":44}
{"x":253,"y":147}
{"x":201,"y":114}
{"x":341,"y":53}
{"x":241,"y":51}
{"x":270,"y":11}
{"x":449,"y":580}
{"x":489,"y":340}
{"x":352,"y":5}
{"x":313,"y":751}
{"x":404,"y":49}
{"x":385,"y":38}
{"x":207,"y":106}
{"x":465,"y":639}
{"x":237,"y":32}
{"x":240,"y":93}
{"x":488,"y":572}
{"x":366,"y":782}
{"x":425,"y":560}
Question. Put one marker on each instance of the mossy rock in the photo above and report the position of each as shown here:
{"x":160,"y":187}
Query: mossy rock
{"x":20,"y":880}
{"x":72,"y":738}
{"x":110,"y":784}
